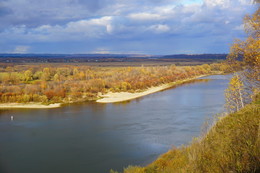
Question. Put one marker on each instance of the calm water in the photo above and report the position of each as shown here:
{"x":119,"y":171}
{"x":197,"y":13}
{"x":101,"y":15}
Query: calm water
{"x":93,"y":138}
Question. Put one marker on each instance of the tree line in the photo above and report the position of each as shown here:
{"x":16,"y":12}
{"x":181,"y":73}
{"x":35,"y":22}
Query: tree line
{"x":57,"y":83}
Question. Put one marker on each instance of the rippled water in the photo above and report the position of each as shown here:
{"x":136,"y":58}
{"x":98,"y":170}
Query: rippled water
{"x":93,"y":138}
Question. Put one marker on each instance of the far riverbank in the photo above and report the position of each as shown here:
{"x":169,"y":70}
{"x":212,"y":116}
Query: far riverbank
{"x":111,"y":97}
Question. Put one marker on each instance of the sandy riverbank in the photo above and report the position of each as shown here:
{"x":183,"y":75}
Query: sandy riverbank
{"x":28,"y":105}
{"x":106,"y":98}
{"x":125,"y":96}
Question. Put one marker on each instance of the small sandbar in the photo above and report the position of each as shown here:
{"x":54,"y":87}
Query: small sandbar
{"x":125,"y":96}
{"x":28,"y":105}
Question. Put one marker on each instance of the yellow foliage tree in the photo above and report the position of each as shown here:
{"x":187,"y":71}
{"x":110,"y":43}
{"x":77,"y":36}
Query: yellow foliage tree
{"x":28,"y":75}
{"x":249,"y":50}
{"x":247,"y":53}
{"x":46,"y":75}
{"x":235,"y":94}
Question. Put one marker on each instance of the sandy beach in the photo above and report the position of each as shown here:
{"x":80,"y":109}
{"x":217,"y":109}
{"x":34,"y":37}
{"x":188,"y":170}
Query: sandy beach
{"x":29,"y":105}
{"x":124,"y":96}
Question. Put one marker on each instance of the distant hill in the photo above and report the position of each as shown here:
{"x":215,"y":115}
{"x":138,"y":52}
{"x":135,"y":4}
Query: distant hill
{"x":197,"y":56}
{"x":75,"y":58}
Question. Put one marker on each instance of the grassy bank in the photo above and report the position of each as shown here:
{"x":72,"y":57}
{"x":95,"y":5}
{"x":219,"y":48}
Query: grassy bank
{"x":232,"y":145}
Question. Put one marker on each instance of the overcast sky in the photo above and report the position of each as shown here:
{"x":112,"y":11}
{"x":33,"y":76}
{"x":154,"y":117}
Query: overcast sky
{"x":121,"y":26}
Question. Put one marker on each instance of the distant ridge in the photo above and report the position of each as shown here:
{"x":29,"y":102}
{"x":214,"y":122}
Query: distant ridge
{"x":197,"y":56}
{"x":178,"y":56}
{"x":65,"y":58}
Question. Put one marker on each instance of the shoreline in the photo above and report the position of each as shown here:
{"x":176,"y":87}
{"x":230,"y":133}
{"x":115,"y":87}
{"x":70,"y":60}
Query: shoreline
{"x":125,"y":96}
{"x":29,"y":105}
{"x":103,"y":98}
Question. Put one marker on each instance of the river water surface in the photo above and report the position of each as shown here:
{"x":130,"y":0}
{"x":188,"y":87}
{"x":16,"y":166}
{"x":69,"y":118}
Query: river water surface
{"x":94,"y":137}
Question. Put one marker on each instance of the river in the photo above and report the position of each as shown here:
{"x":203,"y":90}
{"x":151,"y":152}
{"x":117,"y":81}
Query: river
{"x":95,"y":137}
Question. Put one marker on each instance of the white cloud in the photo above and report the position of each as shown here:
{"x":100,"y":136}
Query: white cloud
{"x":84,"y":26}
{"x":101,"y":21}
{"x":102,"y":51}
{"x":76,"y":30}
{"x":227,"y":22}
{"x":109,"y":28}
{"x":159,"y":28}
{"x":239,"y":27}
{"x":227,"y":3}
{"x":213,"y":3}
{"x":21,"y":49}
{"x":145,"y":16}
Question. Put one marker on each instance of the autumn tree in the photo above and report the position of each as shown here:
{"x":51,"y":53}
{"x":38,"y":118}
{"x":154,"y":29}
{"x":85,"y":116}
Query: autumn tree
{"x":37,"y":75}
{"x":14,"y":78}
{"x":235,"y":94}
{"x":75,"y":71}
{"x":56,"y":77}
{"x":28,"y":75}
{"x":245,"y":54}
{"x":46,"y":75}
{"x":248,"y":51}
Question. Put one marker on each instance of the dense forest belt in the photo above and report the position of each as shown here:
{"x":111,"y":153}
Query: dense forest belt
{"x":125,"y":96}
{"x":57,"y":83}
{"x":231,"y":145}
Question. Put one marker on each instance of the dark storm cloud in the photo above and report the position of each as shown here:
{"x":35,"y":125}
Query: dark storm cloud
{"x":38,"y":12}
